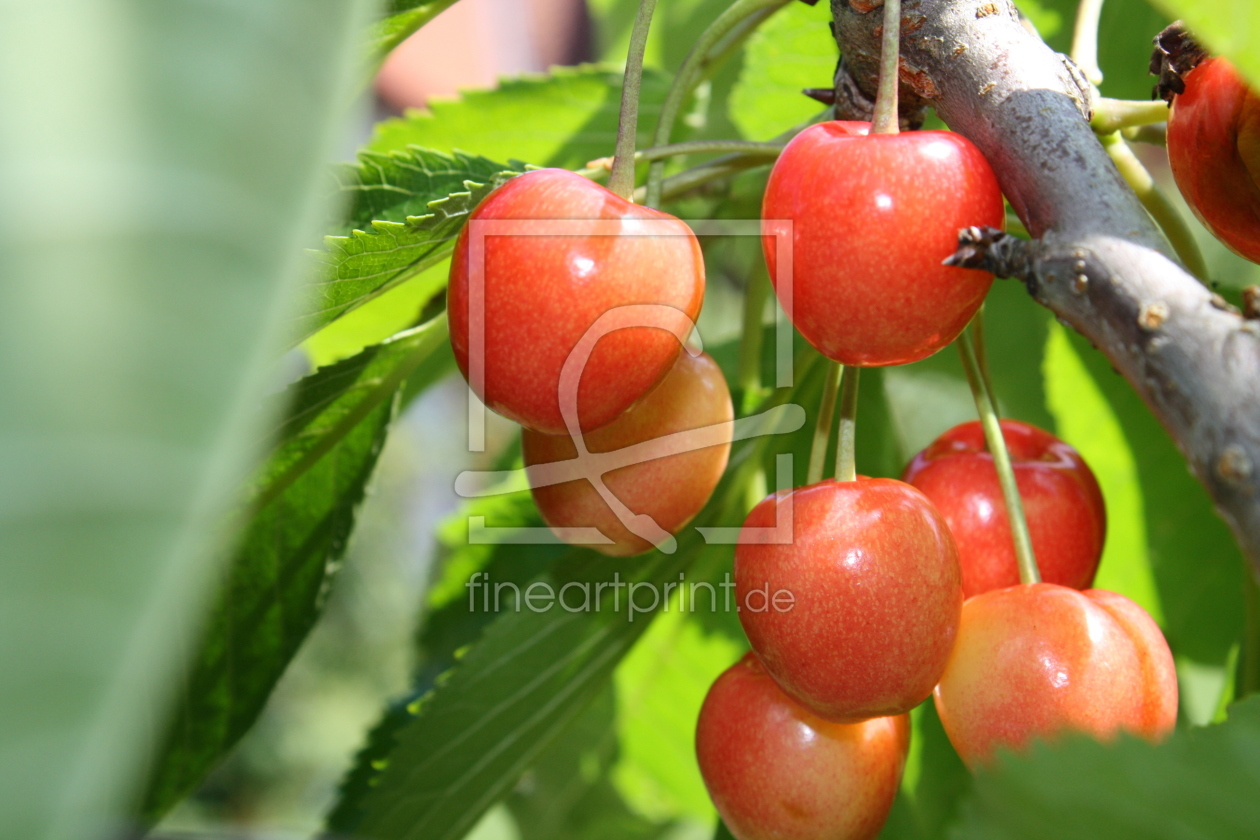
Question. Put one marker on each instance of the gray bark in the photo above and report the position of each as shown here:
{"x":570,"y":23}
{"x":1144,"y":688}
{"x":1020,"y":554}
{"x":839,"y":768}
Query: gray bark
{"x":1097,"y":260}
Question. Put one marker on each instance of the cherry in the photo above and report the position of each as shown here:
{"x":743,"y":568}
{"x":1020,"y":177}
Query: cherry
{"x":877,"y":592}
{"x":777,"y":771}
{"x":1036,"y":659}
{"x":671,"y":490}
{"x":1062,"y":503}
{"x":872,"y":218}
{"x":1214,"y":150}
{"x":543,"y":292}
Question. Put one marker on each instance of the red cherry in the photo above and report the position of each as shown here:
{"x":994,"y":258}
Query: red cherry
{"x":671,"y":490}
{"x":543,"y":292}
{"x":872,"y":219}
{"x":1034,"y":660}
{"x":775,"y":771}
{"x":877,"y":592}
{"x":1062,"y":503}
{"x":1214,"y":150}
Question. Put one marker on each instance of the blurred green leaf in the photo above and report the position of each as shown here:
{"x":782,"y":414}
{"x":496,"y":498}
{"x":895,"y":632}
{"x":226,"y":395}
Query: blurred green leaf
{"x":567,"y":794}
{"x":1200,"y":783}
{"x":1126,"y":33}
{"x":791,"y":51}
{"x":182,"y":143}
{"x":356,"y":268}
{"x":402,"y":18}
{"x":1230,"y":28}
{"x":936,"y":780}
{"x":566,"y":118}
{"x":660,"y":687}
{"x":301,"y":512}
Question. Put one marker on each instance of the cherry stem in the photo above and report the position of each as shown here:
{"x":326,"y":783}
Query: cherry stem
{"x":1157,"y":204}
{"x":886,"y":113}
{"x":768,"y":150}
{"x":978,"y":379}
{"x":750,"y":344}
{"x":1112,"y":115}
{"x":621,"y":181}
{"x":846,"y":445}
{"x":705,"y":54}
{"x":1085,"y":40}
{"x":822,"y":429}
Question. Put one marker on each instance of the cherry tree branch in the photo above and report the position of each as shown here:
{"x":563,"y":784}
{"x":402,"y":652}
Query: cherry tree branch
{"x":1097,"y":260}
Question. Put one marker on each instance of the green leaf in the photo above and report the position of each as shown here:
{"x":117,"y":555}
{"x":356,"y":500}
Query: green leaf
{"x":791,"y":51}
{"x":1086,"y":421}
{"x":301,"y":511}
{"x":402,"y":18}
{"x":1230,"y":28}
{"x":157,"y":164}
{"x":564,"y":119}
{"x":365,"y":264}
{"x":567,"y":794}
{"x":1200,"y":783}
{"x":402,"y":183}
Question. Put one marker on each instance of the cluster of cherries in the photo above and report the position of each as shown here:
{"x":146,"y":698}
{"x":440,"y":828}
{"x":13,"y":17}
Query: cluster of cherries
{"x":901,"y":589}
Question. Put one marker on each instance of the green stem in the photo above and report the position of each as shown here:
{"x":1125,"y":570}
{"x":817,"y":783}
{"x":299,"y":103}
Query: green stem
{"x":846,"y":444}
{"x":983,"y":394}
{"x":768,"y":150}
{"x":1155,"y":134}
{"x":1085,"y":40}
{"x":621,"y":181}
{"x":886,"y":114}
{"x":698,"y":176}
{"x":822,"y":429}
{"x":1157,"y":204}
{"x":693,"y":70}
{"x":1112,"y":115}
{"x":750,"y":344}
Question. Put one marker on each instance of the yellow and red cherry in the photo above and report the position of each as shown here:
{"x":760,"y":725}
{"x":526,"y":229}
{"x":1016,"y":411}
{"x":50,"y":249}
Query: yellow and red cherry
{"x":1063,"y":504}
{"x":876,"y":594}
{"x":872,"y":218}
{"x":1036,"y":660}
{"x":546,"y":284}
{"x":776,"y":771}
{"x":671,"y":489}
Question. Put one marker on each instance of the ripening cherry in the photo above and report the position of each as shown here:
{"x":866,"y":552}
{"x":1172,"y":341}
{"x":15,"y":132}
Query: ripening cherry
{"x":542,"y":293}
{"x":1034,"y":660}
{"x":671,"y":490}
{"x":1214,"y":150}
{"x":776,"y":771}
{"x":876,"y":596}
{"x":1067,"y":519}
{"x":873,"y":217}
